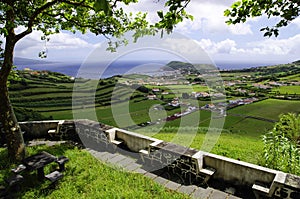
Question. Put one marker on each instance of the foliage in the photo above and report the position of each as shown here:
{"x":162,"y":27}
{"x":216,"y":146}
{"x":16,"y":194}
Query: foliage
{"x":100,"y":17}
{"x":13,"y":76}
{"x":25,"y":114}
{"x":289,"y":126}
{"x":242,"y":10}
{"x":281,"y":153}
{"x":281,"y":146}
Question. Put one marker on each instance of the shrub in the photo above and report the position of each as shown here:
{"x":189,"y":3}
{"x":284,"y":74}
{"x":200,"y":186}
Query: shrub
{"x":281,"y":146}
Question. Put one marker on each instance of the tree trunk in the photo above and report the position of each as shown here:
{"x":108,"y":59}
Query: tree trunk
{"x":11,"y":128}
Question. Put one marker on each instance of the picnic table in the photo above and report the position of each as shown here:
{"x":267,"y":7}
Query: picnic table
{"x":38,"y":162}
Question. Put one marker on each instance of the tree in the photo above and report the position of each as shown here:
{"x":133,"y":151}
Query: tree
{"x":101,"y":17}
{"x":286,"y":10}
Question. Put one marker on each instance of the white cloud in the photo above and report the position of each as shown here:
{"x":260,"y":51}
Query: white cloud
{"x":209,"y":18}
{"x":288,"y":46}
{"x":67,"y":41}
{"x":296,"y":22}
{"x":223,"y":47}
{"x":240,"y":29}
{"x":32,"y":44}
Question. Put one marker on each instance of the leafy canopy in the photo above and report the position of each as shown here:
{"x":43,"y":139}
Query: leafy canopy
{"x":285,"y":10}
{"x":101,"y":17}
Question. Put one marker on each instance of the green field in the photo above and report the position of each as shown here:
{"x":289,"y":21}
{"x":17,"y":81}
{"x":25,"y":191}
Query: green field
{"x":287,"y":90}
{"x":269,"y":109}
{"x":179,"y":89}
{"x":126,"y":107}
{"x":291,"y":78}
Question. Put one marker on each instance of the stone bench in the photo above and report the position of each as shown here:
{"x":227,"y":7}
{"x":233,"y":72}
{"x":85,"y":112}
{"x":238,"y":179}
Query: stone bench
{"x":143,"y":153}
{"x":61,"y":162}
{"x":116,"y":142}
{"x":18,"y":169}
{"x":14,"y":181}
{"x":52,"y":133}
{"x":54,"y":176}
{"x":207,"y":172}
{"x":260,"y":190}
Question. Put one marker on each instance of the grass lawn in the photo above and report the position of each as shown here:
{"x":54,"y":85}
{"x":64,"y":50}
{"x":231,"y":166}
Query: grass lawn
{"x":86,"y":177}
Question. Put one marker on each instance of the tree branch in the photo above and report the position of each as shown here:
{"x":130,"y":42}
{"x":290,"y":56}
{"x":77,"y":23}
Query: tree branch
{"x":42,"y":9}
{"x":77,"y":3}
{"x":33,"y":17}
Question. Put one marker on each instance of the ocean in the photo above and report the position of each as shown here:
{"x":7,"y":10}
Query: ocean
{"x":100,"y":70}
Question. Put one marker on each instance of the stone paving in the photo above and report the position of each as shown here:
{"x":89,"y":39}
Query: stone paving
{"x":130,"y":164}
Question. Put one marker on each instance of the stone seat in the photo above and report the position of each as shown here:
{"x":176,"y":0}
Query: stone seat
{"x":143,"y":153}
{"x":260,"y":190}
{"x":207,"y":172}
{"x":18,"y":169}
{"x":116,"y":142}
{"x":61,"y":162}
{"x":52,"y":131}
{"x":14,"y":181}
{"x":54,"y":176}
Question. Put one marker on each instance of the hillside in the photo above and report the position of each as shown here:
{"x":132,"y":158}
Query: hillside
{"x":128,"y":102}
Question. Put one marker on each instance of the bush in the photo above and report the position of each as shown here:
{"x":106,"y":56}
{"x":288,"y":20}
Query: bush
{"x":281,"y":146}
{"x":281,"y":153}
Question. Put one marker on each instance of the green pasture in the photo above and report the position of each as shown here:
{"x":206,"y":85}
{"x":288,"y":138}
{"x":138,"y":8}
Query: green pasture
{"x":269,"y":109}
{"x":181,"y":88}
{"x":295,"y":77}
{"x":287,"y":90}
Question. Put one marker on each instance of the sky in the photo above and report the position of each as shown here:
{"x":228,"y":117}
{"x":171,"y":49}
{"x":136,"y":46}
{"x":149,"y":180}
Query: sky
{"x":242,"y":43}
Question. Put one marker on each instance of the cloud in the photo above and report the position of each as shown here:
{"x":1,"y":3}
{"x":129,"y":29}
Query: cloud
{"x":209,"y":18}
{"x":63,"y":42}
{"x":227,"y":46}
{"x":240,"y":29}
{"x":289,"y":47}
{"x":296,"y":22}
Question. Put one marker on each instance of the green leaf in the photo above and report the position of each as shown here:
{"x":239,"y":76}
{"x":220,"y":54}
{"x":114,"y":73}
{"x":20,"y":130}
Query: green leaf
{"x":227,"y":13}
{"x":102,"y":5}
{"x":160,"y":14}
{"x":236,"y":4}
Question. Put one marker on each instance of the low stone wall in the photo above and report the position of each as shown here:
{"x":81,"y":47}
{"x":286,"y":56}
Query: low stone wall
{"x":238,"y":172}
{"x":135,"y":142}
{"x":39,"y":129}
{"x":195,"y":167}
